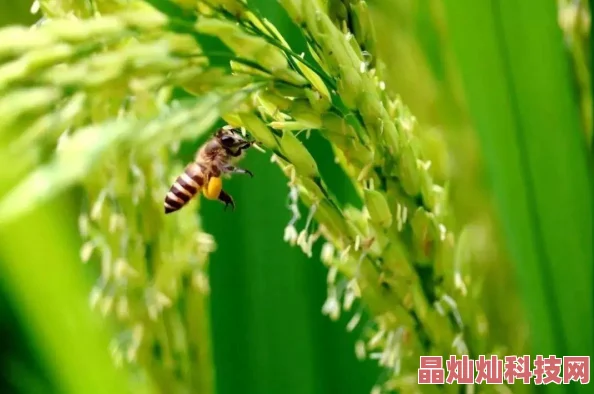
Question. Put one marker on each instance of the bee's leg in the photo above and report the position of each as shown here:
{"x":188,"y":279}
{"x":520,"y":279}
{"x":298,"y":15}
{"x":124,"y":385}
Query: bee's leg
{"x":237,"y":170}
{"x":225,"y":198}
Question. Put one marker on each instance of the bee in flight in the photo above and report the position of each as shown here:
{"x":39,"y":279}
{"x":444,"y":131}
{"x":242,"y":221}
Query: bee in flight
{"x":215,"y":158}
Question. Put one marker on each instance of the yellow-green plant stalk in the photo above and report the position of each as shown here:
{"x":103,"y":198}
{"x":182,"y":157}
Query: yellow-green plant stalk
{"x":575,"y":21}
{"x":103,"y":92}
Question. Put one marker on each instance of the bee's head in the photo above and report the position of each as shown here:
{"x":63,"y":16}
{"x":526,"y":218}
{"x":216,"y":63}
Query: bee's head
{"x":232,"y":140}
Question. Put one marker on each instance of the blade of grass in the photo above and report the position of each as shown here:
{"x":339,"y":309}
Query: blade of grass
{"x":517,"y":84}
{"x":39,"y":269}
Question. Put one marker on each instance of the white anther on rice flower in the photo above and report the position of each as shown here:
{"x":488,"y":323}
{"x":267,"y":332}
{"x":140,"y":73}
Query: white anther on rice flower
{"x":200,"y":282}
{"x":106,"y":304}
{"x":387,"y":353}
{"x":454,"y":308}
{"x":360,"y":351}
{"x":349,"y":299}
{"x":442,"y":232}
{"x":302,"y":239}
{"x":273,"y":158}
{"x":459,"y":283}
{"x":459,"y":345}
{"x":375,"y":355}
{"x":327,"y":254}
{"x":376,"y":390}
{"x":123,"y":270}
{"x":62,"y":140}
{"x":131,"y":353}
{"x":344,"y":255}
{"x":137,"y":333}
{"x":331,"y":307}
{"x":352,"y":324}
{"x":116,"y":222}
{"x":291,"y":235}
{"x":307,"y":248}
{"x":382,"y":85}
{"x":357,"y":242}
{"x":424,"y":164}
{"x":206,"y":242}
{"x":153,"y":312}
{"x":83,"y":225}
{"x":294,"y":194}
{"x":362,"y":67}
{"x":95,"y":296}
{"x":86,"y":251}
{"x":98,"y":205}
{"x":122,"y":307}
{"x":354,"y":286}
{"x":258,"y":148}
{"x":332,"y":273}
{"x":162,"y":300}
{"x":439,"y":308}
{"x":364,"y":172}
{"x":437,"y":189}
{"x":375,"y":340}
{"x":35,"y":7}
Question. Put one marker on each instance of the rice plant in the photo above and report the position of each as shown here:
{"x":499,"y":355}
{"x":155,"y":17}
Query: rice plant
{"x":100,"y":96}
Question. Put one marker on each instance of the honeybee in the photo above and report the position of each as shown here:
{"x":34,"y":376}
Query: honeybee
{"x":215,"y":158}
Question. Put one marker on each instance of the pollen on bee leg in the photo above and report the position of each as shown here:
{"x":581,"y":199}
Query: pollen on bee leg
{"x":213,"y":188}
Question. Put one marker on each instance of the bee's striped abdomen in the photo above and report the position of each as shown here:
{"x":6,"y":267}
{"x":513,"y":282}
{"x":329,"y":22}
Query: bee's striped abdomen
{"x":185,"y":187}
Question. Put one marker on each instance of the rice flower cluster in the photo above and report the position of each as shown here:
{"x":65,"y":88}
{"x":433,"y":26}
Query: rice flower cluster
{"x":92,"y":86}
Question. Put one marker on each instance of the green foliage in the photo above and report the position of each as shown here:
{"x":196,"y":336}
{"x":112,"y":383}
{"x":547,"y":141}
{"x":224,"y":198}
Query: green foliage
{"x":112,"y":98}
{"x":544,"y":185}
